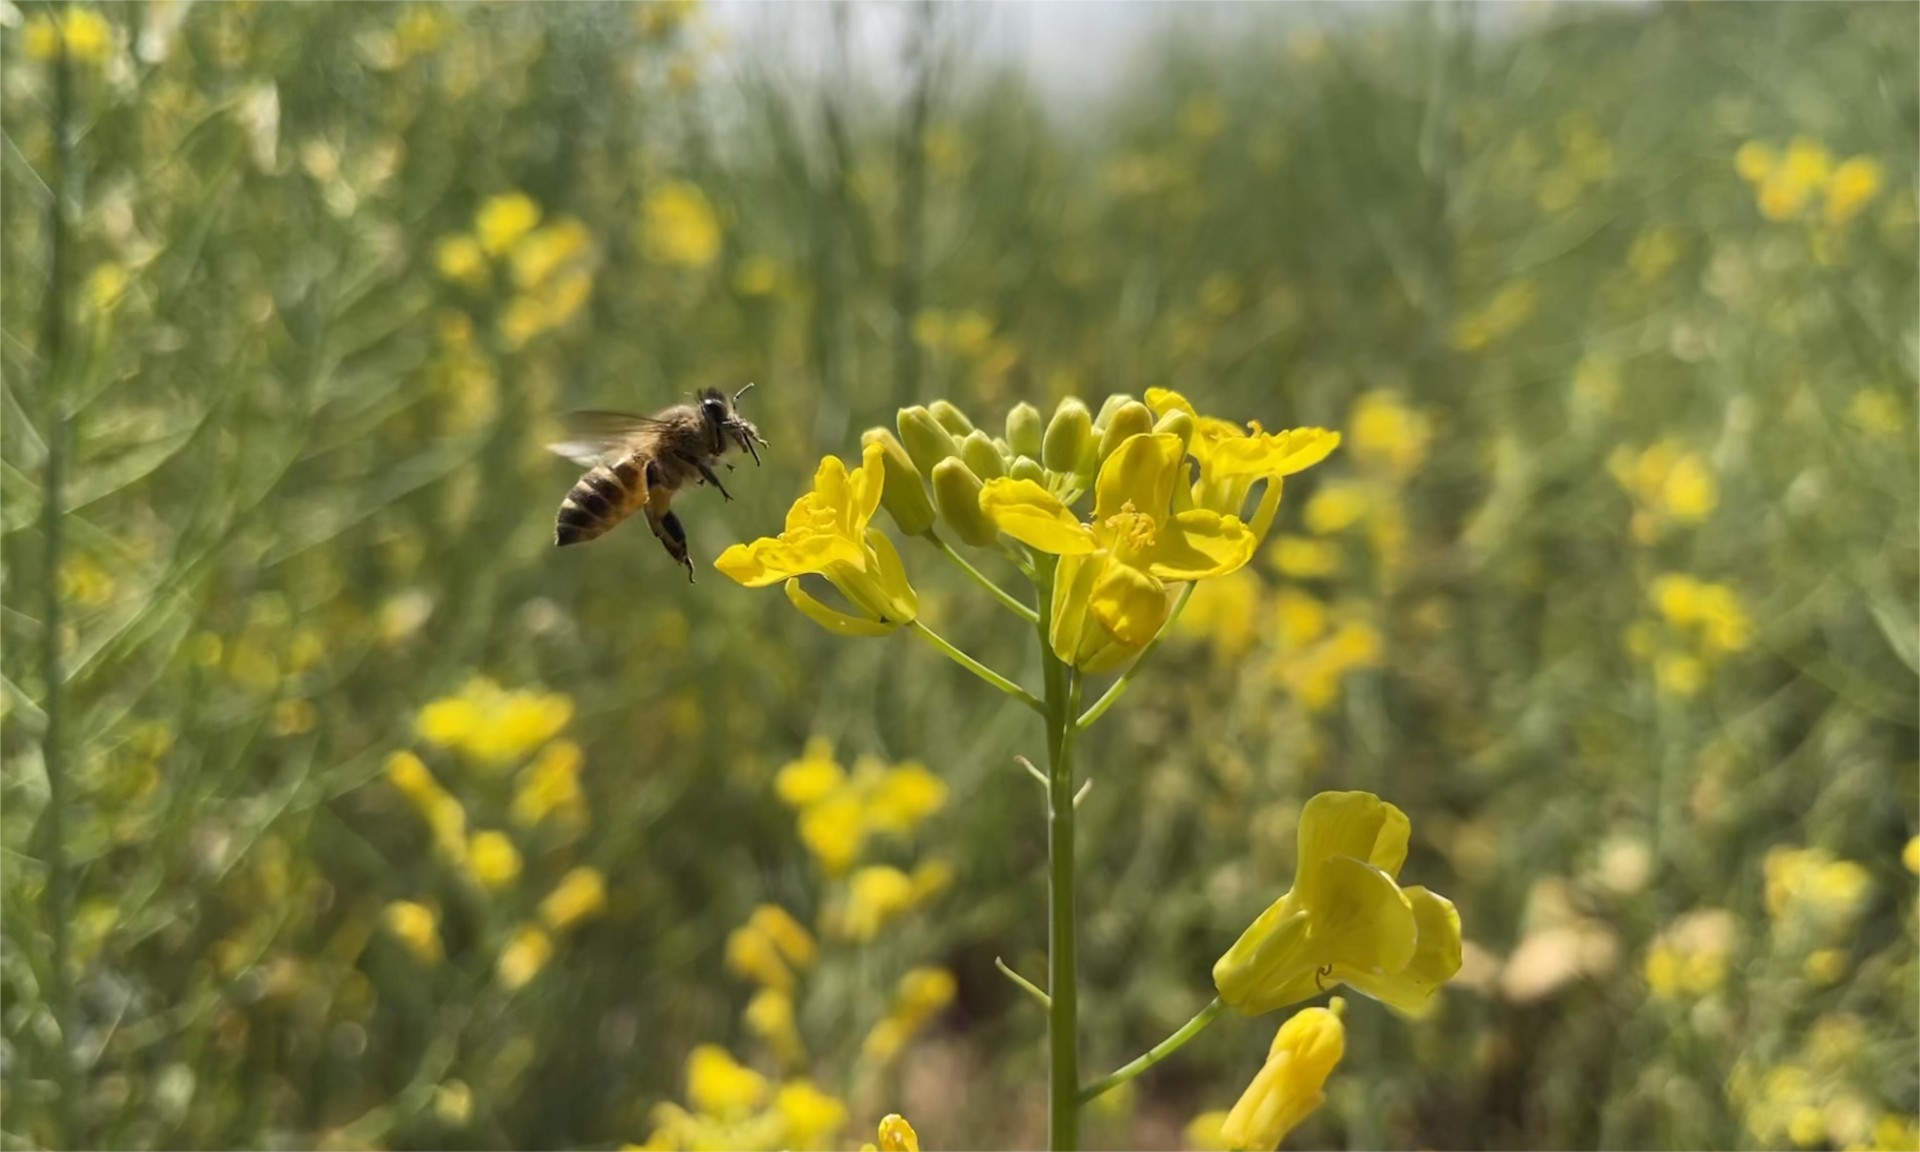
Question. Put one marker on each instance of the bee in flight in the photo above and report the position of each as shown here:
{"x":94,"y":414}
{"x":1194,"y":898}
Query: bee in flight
{"x":638,"y":462}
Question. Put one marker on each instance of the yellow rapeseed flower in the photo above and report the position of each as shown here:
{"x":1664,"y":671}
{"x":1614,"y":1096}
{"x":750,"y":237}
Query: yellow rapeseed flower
{"x":905,"y":795}
{"x":438,"y":807}
{"x":1304,"y":558}
{"x":811,"y":778}
{"x":461,"y":260}
{"x":539,"y":254}
{"x":769,"y":946}
{"x":106,"y":286}
{"x":87,"y":35}
{"x":1852,"y":187}
{"x":1690,"y":957}
{"x":493,"y":726}
{"x":493,"y":859}
{"x":580,"y":895}
{"x":677,"y":226}
{"x":1346,"y":920}
{"x":1290,"y":1085}
{"x":828,"y":534}
{"x":896,"y":1135}
{"x":770,"y":1016}
{"x":417,"y":927}
{"x":719,"y":1085}
{"x":811,"y":1117}
{"x":1232,"y":460}
{"x":526,"y":953}
{"x":550,"y":785}
{"x":503,"y":219}
{"x":876,"y":895}
{"x":1910,"y":855}
{"x":1388,"y":436}
{"x":1225,"y":612}
{"x":1336,"y":507}
{"x":923,"y":993}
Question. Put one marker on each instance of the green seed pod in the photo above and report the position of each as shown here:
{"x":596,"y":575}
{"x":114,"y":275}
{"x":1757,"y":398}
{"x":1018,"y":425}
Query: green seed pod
{"x":1130,"y":419}
{"x":957,"y":491}
{"x":951,"y":418}
{"x":1069,"y":435}
{"x":1027,"y":468}
{"x":1024,"y":430}
{"x":903,"y":495}
{"x":1109,"y":406}
{"x":1178,"y":423}
{"x":982,"y":456}
{"x":926,"y":442}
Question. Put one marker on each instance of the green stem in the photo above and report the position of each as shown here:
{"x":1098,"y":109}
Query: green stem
{"x":981,"y":578}
{"x":53,"y":741}
{"x":1156,"y":1053}
{"x":1063,"y":1041}
{"x":1112,"y":694}
{"x":978,"y":669}
{"x":1024,"y":984}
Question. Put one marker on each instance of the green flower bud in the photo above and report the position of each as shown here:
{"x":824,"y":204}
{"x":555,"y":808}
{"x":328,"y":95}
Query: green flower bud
{"x":1069,"y":435}
{"x":951,"y":418}
{"x":1130,"y":419}
{"x":926,"y":442}
{"x":981,"y":455}
{"x":1177,"y":422}
{"x":1027,"y":468}
{"x":1024,"y":429}
{"x":957,"y":491}
{"x":1111,"y":405}
{"x":903,"y":494}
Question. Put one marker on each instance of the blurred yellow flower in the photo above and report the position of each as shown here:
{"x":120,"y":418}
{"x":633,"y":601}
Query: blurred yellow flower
{"x":493,"y":859}
{"x":417,"y":927}
{"x":1910,"y":855}
{"x":460,"y":259}
{"x":769,"y":1015}
{"x":1346,"y":920}
{"x":1667,"y":483}
{"x":1232,"y":460}
{"x":580,"y":895}
{"x":1690,"y":956}
{"x":550,"y":786}
{"x":1877,"y":412}
{"x":503,"y":219}
{"x":87,"y":36}
{"x":1679,"y":674}
{"x":1304,"y":558}
{"x":813,"y":777}
{"x":453,"y":1103}
{"x":539,"y":254}
{"x":1825,"y":966}
{"x":1513,"y":305}
{"x":876,"y":895}
{"x":809,"y":1115}
{"x":438,"y":807}
{"x":896,"y":1135}
{"x":827,"y":534}
{"x":719,"y":1085}
{"x":1852,"y":187}
{"x":834,"y":830}
{"x":292,"y":716}
{"x":106,"y":286}
{"x":1388,"y":436}
{"x":1809,"y":883}
{"x":756,"y":276}
{"x":677,"y":226}
{"x":765,"y":946}
{"x":1225,"y":612}
{"x":491,"y":725}
{"x":526,"y":953}
{"x":904,"y":797}
{"x":1337,"y":506}
{"x":1290,"y":1085}
{"x":1302,"y":618}
{"x":922,"y":994}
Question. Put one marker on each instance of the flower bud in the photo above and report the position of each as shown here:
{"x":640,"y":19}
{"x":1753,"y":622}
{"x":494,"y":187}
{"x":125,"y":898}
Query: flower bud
{"x":1024,"y":429}
{"x":1178,"y":423}
{"x":1027,"y":468}
{"x":982,"y":455}
{"x":1130,"y":419}
{"x":1113,"y":403}
{"x":1069,"y":435}
{"x":926,"y":441}
{"x":903,"y":494}
{"x":957,"y":491}
{"x":951,"y":418}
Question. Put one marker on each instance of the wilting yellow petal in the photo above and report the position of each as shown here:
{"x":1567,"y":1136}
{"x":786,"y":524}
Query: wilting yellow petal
{"x":1034,"y":516}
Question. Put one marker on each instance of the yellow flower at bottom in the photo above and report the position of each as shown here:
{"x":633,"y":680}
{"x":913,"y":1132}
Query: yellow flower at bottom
{"x":810,"y":1115}
{"x":828,"y":534}
{"x":719,"y":1085}
{"x":1290,"y":1085}
{"x":1346,"y":919}
{"x":896,"y":1135}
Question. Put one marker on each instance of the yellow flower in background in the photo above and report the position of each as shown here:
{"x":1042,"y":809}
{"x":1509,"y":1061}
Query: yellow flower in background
{"x":838,"y":812}
{"x":1109,"y":595}
{"x":1290,"y":1085}
{"x":876,"y":895}
{"x":87,"y":35}
{"x":1336,"y":507}
{"x":1877,"y":412}
{"x":550,"y":786}
{"x":810,"y":1116}
{"x":769,"y":946}
{"x":757,"y":276}
{"x":904,"y":797}
{"x":491,"y":725}
{"x":526,"y":953}
{"x":1346,"y":920}
{"x":1710,"y":613}
{"x":1809,"y":884}
{"x":770,"y":1016}
{"x":828,"y":534}
{"x":1513,"y":305}
{"x":438,"y":807}
{"x":1304,"y":558}
{"x":1225,"y":612}
{"x":493,"y":859}
{"x":1388,"y":436}
{"x":1853,"y":186}
{"x":719,"y":1085}
{"x":580,"y":895}
{"x":813,"y":777}
{"x":453,"y":1103}
{"x":1691,"y":956}
{"x":461,"y":260}
{"x":106,"y":286}
{"x":1302,"y":618}
{"x":1232,"y":460}
{"x":895,"y":1135}
{"x":503,"y":219}
{"x":417,"y":927}
{"x":538,"y":255}
{"x":834,"y":831}
{"x":1203,"y":1132}
{"x":923,"y":993}
{"x":1668,"y":485}
{"x":1910,"y":855}
{"x":1314,"y":675}
{"x":677,"y":226}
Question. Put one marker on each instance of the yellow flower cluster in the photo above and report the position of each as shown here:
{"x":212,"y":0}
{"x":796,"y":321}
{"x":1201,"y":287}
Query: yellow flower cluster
{"x":1811,"y":896}
{"x":678,"y":226}
{"x":729,"y":1105}
{"x":84,"y":33}
{"x":1669,"y":485}
{"x":1786,"y":183}
{"x":922,"y":994}
{"x":1690,"y":957}
{"x":550,"y":269}
{"x":492,"y":726}
{"x":839,"y":812}
{"x":1821,"y":1094}
{"x":1697,"y":625}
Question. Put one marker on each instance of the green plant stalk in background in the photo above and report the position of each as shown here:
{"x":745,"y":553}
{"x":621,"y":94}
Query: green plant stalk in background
{"x":1063,"y":1057}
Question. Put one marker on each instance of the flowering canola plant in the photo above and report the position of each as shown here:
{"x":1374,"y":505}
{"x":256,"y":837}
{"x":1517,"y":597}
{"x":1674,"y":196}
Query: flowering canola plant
{"x":1177,"y":498}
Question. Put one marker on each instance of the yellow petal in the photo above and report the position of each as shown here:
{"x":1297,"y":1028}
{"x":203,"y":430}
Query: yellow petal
{"x":1165,"y":400}
{"x":1436,"y":958}
{"x":1364,"y":924}
{"x":836,"y":622}
{"x":865,"y":487}
{"x":1356,"y":824}
{"x":1272,"y":454}
{"x":1141,"y":473}
{"x":1129,"y":603}
{"x":1271,"y":964}
{"x":769,"y":560}
{"x":1198,"y":544}
{"x":1035,"y":517}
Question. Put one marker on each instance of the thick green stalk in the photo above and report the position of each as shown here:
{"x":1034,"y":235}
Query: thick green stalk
{"x":1063,"y":1036}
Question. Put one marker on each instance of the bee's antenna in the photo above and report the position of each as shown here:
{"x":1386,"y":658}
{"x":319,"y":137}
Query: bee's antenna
{"x":742,"y":392}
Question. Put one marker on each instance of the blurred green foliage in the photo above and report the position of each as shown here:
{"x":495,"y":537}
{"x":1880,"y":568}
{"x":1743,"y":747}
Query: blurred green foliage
{"x":1611,"y":588}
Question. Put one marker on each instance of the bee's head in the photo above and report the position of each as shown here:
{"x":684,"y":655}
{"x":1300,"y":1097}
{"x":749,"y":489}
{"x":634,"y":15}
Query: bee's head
{"x":714,"y":406}
{"x":724,"y":415}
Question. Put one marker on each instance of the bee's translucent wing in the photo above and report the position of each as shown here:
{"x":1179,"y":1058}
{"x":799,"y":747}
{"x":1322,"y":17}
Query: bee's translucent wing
{"x":593,"y":436}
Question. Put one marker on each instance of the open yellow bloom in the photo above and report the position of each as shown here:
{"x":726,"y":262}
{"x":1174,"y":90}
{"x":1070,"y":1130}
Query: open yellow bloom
{"x":1233,"y":459}
{"x":1346,"y":921}
{"x":827,"y":534}
{"x":1290,"y":1085}
{"x":1109,"y":595}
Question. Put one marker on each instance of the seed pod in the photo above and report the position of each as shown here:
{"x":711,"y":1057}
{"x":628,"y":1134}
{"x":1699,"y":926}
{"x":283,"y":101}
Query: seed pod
{"x":1069,"y":436}
{"x":982,"y":456}
{"x":926,"y":442}
{"x":1027,"y":468}
{"x":1024,"y":430}
{"x":957,"y":491}
{"x":904,"y":494}
{"x":1130,"y":419}
{"x":951,"y":418}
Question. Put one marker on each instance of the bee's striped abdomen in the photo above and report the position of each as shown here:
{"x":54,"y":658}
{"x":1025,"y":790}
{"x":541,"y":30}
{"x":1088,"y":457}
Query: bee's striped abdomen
{"x":606,"y":495}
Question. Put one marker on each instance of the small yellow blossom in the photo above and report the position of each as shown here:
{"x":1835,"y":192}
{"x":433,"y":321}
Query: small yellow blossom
{"x":493,"y":859}
{"x":539,"y":254}
{"x":453,"y":1103}
{"x":293,"y":716}
{"x":580,"y":895}
{"x":906,"y":795}
{"x":678,"y":226}
{"x":460,"y":260}
{"x":416,"y":926}
{"x":770,"y":1016}
{"x":719,"y":1085}
{"x":768,"y":946}
{"x":438,"y":807}
{"x":1852,"y":187}
{"x":526,"y":953}
{"x":1388,"y":436}
{"x":492,"y":725}
{"x":1290,"y":1085}
{"x":550,"y":786}
{"x":876,"y":895}
{"x":87,"y":36}
{"x":503,"y":219}
{"x":1690,"y":956}
{"x":1304,"y":558}
{"x":106,"y":286}
{"x":1336,"y":507}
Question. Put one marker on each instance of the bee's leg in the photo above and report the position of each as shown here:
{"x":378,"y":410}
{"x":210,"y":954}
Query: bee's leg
{"x":706,"y":473}
{"x":669,"y":531}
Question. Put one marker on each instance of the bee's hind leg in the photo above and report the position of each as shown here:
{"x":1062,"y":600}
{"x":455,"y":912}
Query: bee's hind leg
{"x":672,"y":536}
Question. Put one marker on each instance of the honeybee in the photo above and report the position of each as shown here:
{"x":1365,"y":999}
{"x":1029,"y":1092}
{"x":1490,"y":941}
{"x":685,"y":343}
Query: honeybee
{"x":639,"y":462}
